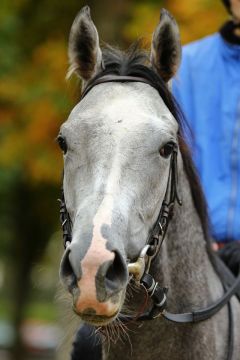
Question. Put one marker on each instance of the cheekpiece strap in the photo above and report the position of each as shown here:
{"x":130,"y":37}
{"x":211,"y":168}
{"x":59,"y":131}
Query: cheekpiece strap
{"x":65,"y":222}
{"x":160,"y":228}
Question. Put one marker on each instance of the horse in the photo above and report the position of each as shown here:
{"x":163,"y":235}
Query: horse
{"x":133,"y":213}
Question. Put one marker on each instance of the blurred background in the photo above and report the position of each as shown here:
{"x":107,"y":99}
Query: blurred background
{"x":34,"y":100}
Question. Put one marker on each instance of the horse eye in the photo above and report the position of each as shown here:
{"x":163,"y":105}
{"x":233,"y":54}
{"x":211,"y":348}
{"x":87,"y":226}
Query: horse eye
{"x":167,"y":149}
{"x":62,"y":143}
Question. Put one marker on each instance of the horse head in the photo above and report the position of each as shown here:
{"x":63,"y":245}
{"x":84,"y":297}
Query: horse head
{"x":117,"y":145}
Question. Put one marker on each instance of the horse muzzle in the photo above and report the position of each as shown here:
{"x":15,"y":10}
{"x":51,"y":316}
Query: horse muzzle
{"x":97,"y":284}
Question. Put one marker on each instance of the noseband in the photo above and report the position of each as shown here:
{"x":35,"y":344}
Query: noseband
{"x":140,"y":269}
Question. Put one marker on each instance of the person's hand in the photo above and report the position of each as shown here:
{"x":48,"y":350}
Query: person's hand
{"x":215,"y":246}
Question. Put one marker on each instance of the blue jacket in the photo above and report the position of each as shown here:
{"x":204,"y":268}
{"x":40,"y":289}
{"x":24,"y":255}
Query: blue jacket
{"x":207,"y":88}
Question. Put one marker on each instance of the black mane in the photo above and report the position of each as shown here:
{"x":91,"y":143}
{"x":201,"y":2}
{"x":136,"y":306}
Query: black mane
{"x":136,"y":62}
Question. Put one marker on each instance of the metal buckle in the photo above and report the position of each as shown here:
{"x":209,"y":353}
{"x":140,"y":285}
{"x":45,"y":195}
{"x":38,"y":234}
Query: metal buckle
{"x":137,"y":268}
{"x":161,"y":228}
{"x":158,"y":315}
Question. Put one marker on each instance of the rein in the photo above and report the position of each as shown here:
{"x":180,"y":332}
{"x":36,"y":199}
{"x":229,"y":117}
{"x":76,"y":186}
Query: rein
{"x":140,"y":269}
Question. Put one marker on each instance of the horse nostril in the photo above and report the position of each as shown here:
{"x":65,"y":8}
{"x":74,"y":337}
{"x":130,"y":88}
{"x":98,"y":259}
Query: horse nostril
{"x":66,"y":272}
{"x":116,"y":274}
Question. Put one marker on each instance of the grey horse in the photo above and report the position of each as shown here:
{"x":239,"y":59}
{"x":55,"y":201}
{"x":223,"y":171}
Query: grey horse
{"x":117,"y":145}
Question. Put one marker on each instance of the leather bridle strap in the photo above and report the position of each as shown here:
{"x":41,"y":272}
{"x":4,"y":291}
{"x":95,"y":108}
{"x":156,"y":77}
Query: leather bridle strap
{"x":113,"y":78}
{"x":159,"y":230}
{"x":206,"y":313}
{"x":194,"y":316}
{"x":65,"y":222}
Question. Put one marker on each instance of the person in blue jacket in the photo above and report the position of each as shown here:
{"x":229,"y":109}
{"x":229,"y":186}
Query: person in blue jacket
{"x":207,"y":88}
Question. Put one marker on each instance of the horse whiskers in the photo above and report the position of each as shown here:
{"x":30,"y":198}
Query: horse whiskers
{"x":62,"y":296}
{"x":116,"y":330}
{"x":113,"y":332}
{"x":132,"y":290}
{"x":105,"y":337}
{"x":135,"y":313}
{"x":133,"y":286}
{"x":129,"y":294}
{"x":124,"y":333}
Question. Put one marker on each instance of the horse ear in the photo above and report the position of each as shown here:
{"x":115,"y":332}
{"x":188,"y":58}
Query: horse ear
{"x":166,"y":47}
{"x":84,"y":52}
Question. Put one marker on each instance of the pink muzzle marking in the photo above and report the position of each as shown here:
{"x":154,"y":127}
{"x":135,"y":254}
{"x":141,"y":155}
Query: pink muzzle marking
{"x":96,"y":255}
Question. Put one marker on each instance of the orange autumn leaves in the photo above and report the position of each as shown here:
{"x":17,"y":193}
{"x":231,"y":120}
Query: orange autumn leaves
{"x":34,"y":104}
{"x":195,"y":18}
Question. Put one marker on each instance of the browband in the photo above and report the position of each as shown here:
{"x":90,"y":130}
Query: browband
{"x":113,"y":78}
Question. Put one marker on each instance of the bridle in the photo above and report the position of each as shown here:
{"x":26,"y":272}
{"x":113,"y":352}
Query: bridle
{"x":140,"y":269}
{"x":159,"y":230}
